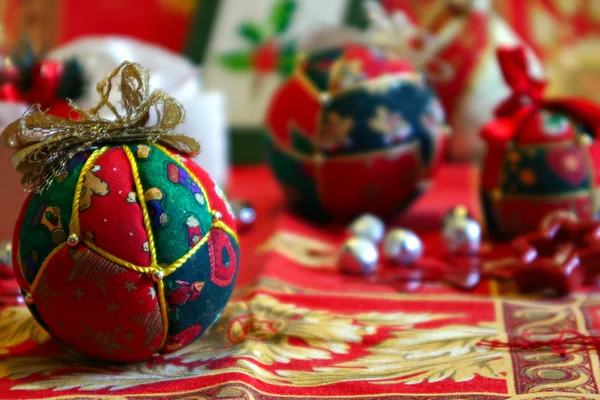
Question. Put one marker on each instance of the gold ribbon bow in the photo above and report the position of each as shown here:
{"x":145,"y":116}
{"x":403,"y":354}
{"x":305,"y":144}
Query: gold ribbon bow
{"x":44,"y":143}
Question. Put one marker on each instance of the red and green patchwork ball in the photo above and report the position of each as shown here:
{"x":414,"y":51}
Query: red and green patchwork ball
{"x":354,"y":131}
{"x":132,"y":251}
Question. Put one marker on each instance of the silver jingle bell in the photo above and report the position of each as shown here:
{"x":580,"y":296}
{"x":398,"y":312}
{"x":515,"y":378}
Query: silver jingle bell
{"x":459,"y":212}
{"x":557,"y":216}
{"x":368,"y":226}
{"x":358,"y":256}
{"x":402,"y":247}
{"x":244,"y":213}
{"x":461,"y":234}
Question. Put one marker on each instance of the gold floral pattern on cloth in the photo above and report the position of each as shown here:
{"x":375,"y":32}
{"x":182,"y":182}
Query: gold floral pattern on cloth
{"x":255,"y":334}
{"x":271,"y":339}
{"x":544,"y":371}
{"x":302,"y":330}
{"x":17,"y":327}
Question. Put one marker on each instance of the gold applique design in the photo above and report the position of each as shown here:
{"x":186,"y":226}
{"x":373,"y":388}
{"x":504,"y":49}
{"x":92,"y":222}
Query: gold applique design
{"x":92,"y":185}
{"x":335,"y":130}
{"x":344,"y":74}
{"x":390,"y":125}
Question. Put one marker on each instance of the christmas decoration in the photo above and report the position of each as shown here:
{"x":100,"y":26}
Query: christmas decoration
{"x":358,"y":256}
{"x":456,"y":39}
{"x":126,"y":247}
{"x":368,"y":226}
{"x":29,"y":78}
{"x":402,"y":247}
{"x":206,"y":118}
{"x":266,"y":51}
{"x":555,"y":217}
{"x":561,"y":258}
{"x":542,"y":156}
{"x":460,"y":232}
{"x":353,"y":131}
{"x":244,"y":213}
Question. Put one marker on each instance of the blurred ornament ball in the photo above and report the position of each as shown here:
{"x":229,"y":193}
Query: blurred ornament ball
{"x":245,"y":215}
{"x":460,"y":232}
{"x":358,"y":256}
{"x":368,"y":226}
{"x":542,"y":156}
{"x":402,"y":247}
{"x":353,"y":131}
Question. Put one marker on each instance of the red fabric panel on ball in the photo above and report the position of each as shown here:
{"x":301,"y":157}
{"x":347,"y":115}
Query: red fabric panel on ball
{"x":378,"y":184}
{"x":293,"y":104}
{"x":110,"y":215}
{"x":99,"y":308}
{"x":216,"y":197}
{"x":15,"y":245}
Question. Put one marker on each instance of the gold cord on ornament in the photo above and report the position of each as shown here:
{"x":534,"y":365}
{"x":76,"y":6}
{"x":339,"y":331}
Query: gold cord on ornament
{"x":45,"y":143}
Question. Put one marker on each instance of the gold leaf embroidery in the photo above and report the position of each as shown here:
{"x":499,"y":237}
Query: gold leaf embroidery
{"x":17,"y":326}
{"x":263,"y":329}
{"x":304,"y":250}
{"x":414,"y":356}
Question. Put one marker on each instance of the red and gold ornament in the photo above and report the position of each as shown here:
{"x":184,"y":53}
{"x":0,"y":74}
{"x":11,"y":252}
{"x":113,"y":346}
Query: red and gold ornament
{"x":126,"y":247}
{"x":354,"y":131}
{"x":542,"y":154}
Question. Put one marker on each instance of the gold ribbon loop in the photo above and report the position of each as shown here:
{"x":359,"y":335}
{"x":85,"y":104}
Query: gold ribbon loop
{"x":44,"y":143}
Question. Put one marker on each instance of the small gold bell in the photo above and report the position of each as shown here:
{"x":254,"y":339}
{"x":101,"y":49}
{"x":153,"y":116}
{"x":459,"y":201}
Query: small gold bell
{"x":157,"y":275}
{"x":73,"y":239}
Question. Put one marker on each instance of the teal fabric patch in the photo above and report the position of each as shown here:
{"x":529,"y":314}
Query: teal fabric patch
{"x":198,"y":291}
{"x":46,"y":222}
{"x":178,"y":211}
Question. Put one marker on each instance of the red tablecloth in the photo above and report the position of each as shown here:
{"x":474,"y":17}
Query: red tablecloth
{"x":297,"y":328}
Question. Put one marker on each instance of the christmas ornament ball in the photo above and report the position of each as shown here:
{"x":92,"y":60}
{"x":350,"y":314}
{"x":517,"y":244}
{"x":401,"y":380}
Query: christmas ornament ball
{"x":460,"y":233}
{"x":354,"y":131}
{"x":368,"y":226}
{"x":549,"y":166}
{"x":130,"y":252}
{"x":358,"y":256}
{"x":402,"y":247}
{"x":542,"y":154}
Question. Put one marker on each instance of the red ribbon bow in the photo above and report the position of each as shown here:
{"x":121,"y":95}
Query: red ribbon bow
{"x":527,"y":97}
{"x":526,"y":90}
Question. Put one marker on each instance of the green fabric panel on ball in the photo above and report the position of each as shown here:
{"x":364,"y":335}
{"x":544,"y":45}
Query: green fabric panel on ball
{"x":46,"y":222}
{"x":178,"y":211}
{"x":198,"y":291}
